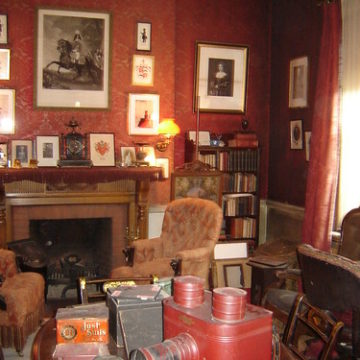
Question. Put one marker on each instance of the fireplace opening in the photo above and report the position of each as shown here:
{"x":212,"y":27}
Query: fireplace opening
{"x":74,"y":247}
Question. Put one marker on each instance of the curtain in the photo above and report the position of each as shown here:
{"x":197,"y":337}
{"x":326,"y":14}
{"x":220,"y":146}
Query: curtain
{"x":324,"y":159}
{"x":349,"y":189}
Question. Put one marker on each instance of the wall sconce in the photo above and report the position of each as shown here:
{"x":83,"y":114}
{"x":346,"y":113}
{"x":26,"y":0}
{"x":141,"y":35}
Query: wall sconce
{"x":167,"y":130}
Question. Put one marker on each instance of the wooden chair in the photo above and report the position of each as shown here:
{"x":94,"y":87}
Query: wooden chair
{"x":331,"y":282}
{"x":350,"y":235}
{"x":101,"y":285}
{"x":309,"y":322}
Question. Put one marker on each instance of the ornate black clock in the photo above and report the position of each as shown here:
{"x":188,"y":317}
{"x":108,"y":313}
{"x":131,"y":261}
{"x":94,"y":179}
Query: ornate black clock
{"x":74,"y":147}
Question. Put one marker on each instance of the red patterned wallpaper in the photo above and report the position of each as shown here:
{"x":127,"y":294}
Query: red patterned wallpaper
{"x":176,"y":25}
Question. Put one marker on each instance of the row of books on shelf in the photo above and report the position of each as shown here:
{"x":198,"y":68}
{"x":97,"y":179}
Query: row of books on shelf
{"x":209,"y":159}
{"x":239,"y":182}
{"x":243,"y":227}
{"x":239,"y":204}
{"x":238,"y":160}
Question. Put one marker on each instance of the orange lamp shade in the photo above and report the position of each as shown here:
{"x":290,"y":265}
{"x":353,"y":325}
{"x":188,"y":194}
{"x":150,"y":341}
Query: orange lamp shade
{"x":168,"y":127}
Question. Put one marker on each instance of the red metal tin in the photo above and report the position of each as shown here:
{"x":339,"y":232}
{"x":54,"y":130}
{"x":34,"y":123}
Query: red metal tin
{"x":188,"y":291}
{"x":247,"y":339}
{"x":228,"y":304}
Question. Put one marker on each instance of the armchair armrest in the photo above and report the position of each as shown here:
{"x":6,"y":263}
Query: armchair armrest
{"x":197,"y":255}
{"x":147,"y":249}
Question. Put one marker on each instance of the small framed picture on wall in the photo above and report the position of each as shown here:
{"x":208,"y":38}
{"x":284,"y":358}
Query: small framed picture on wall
{"x":3,"y":154}
{"x":4,"y":64}
{"x":143,"y":36}
{"x":3,"y":29}
{"x":296,"y":135}
{"x":143,"y":70}
{"x":298,"y":82}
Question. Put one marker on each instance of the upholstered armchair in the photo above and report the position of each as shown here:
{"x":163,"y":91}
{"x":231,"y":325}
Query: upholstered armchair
{"x":190,"y":229}
{"x":21,"y":302}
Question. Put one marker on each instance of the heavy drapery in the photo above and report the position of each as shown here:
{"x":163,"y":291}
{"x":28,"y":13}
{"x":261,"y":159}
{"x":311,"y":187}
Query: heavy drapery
{"x":324,"y":158}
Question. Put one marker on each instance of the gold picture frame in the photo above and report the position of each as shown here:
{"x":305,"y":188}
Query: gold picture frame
{"x":197,"y":180}
{"x":231,"y":272}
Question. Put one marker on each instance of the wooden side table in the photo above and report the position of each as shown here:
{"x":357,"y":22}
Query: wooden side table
{"x":263,"y":274}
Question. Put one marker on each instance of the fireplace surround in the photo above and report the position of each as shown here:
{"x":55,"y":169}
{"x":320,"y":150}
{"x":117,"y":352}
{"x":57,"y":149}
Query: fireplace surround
{"x":117,"y":194}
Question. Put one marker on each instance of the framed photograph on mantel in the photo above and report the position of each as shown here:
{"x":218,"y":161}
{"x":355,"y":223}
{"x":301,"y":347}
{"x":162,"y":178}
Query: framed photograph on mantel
{"x":47,"y":150}
{"x":72,"y":59}
{"x":102,"y":152}
{"x":298,"y":82}
{"x":220,"y":77}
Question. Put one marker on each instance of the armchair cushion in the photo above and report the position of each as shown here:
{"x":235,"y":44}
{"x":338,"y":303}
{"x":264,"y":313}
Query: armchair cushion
{"x":147,"y":249}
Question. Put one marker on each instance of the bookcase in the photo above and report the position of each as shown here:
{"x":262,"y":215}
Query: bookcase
{"x":240,"y":199}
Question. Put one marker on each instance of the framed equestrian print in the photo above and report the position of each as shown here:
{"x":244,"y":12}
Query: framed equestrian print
{"x":72,"y":59}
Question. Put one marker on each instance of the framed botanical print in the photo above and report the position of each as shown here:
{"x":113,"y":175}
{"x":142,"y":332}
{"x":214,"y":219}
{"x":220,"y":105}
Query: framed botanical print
{"x":143,"y":114}
{"x":102,"y":152}
{"x":143,"y":36}
{"x":72,"y":59}
{"x":21,"y":150}
{"x":47,"y":150}
{"x":143,"y":70}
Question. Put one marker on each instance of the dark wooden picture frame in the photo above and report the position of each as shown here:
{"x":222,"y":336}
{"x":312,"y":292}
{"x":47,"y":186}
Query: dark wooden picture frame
{"x":143,"y":36}
{"x":220,"y":78}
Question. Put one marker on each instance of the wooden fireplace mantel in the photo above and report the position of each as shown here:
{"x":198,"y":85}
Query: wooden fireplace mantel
{"x":27,"y":187}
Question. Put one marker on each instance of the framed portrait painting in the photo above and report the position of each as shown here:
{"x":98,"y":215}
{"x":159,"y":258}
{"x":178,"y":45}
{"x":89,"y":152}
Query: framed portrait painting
{"x":220,"y":77}
{"x":296,"y":135}
{"x":72,"y":59}
{"x":298,"y":82}
{"x":21,"y":150}
{"x":4,"y":64}
{"x":143,"y":70}
{"x":47,"y":150}
{"x":3,"y":29}
{"x":143,"y":114}
{"x":102,"y":152}
{"x":143,"y":36}
{"x":7,"y":111}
